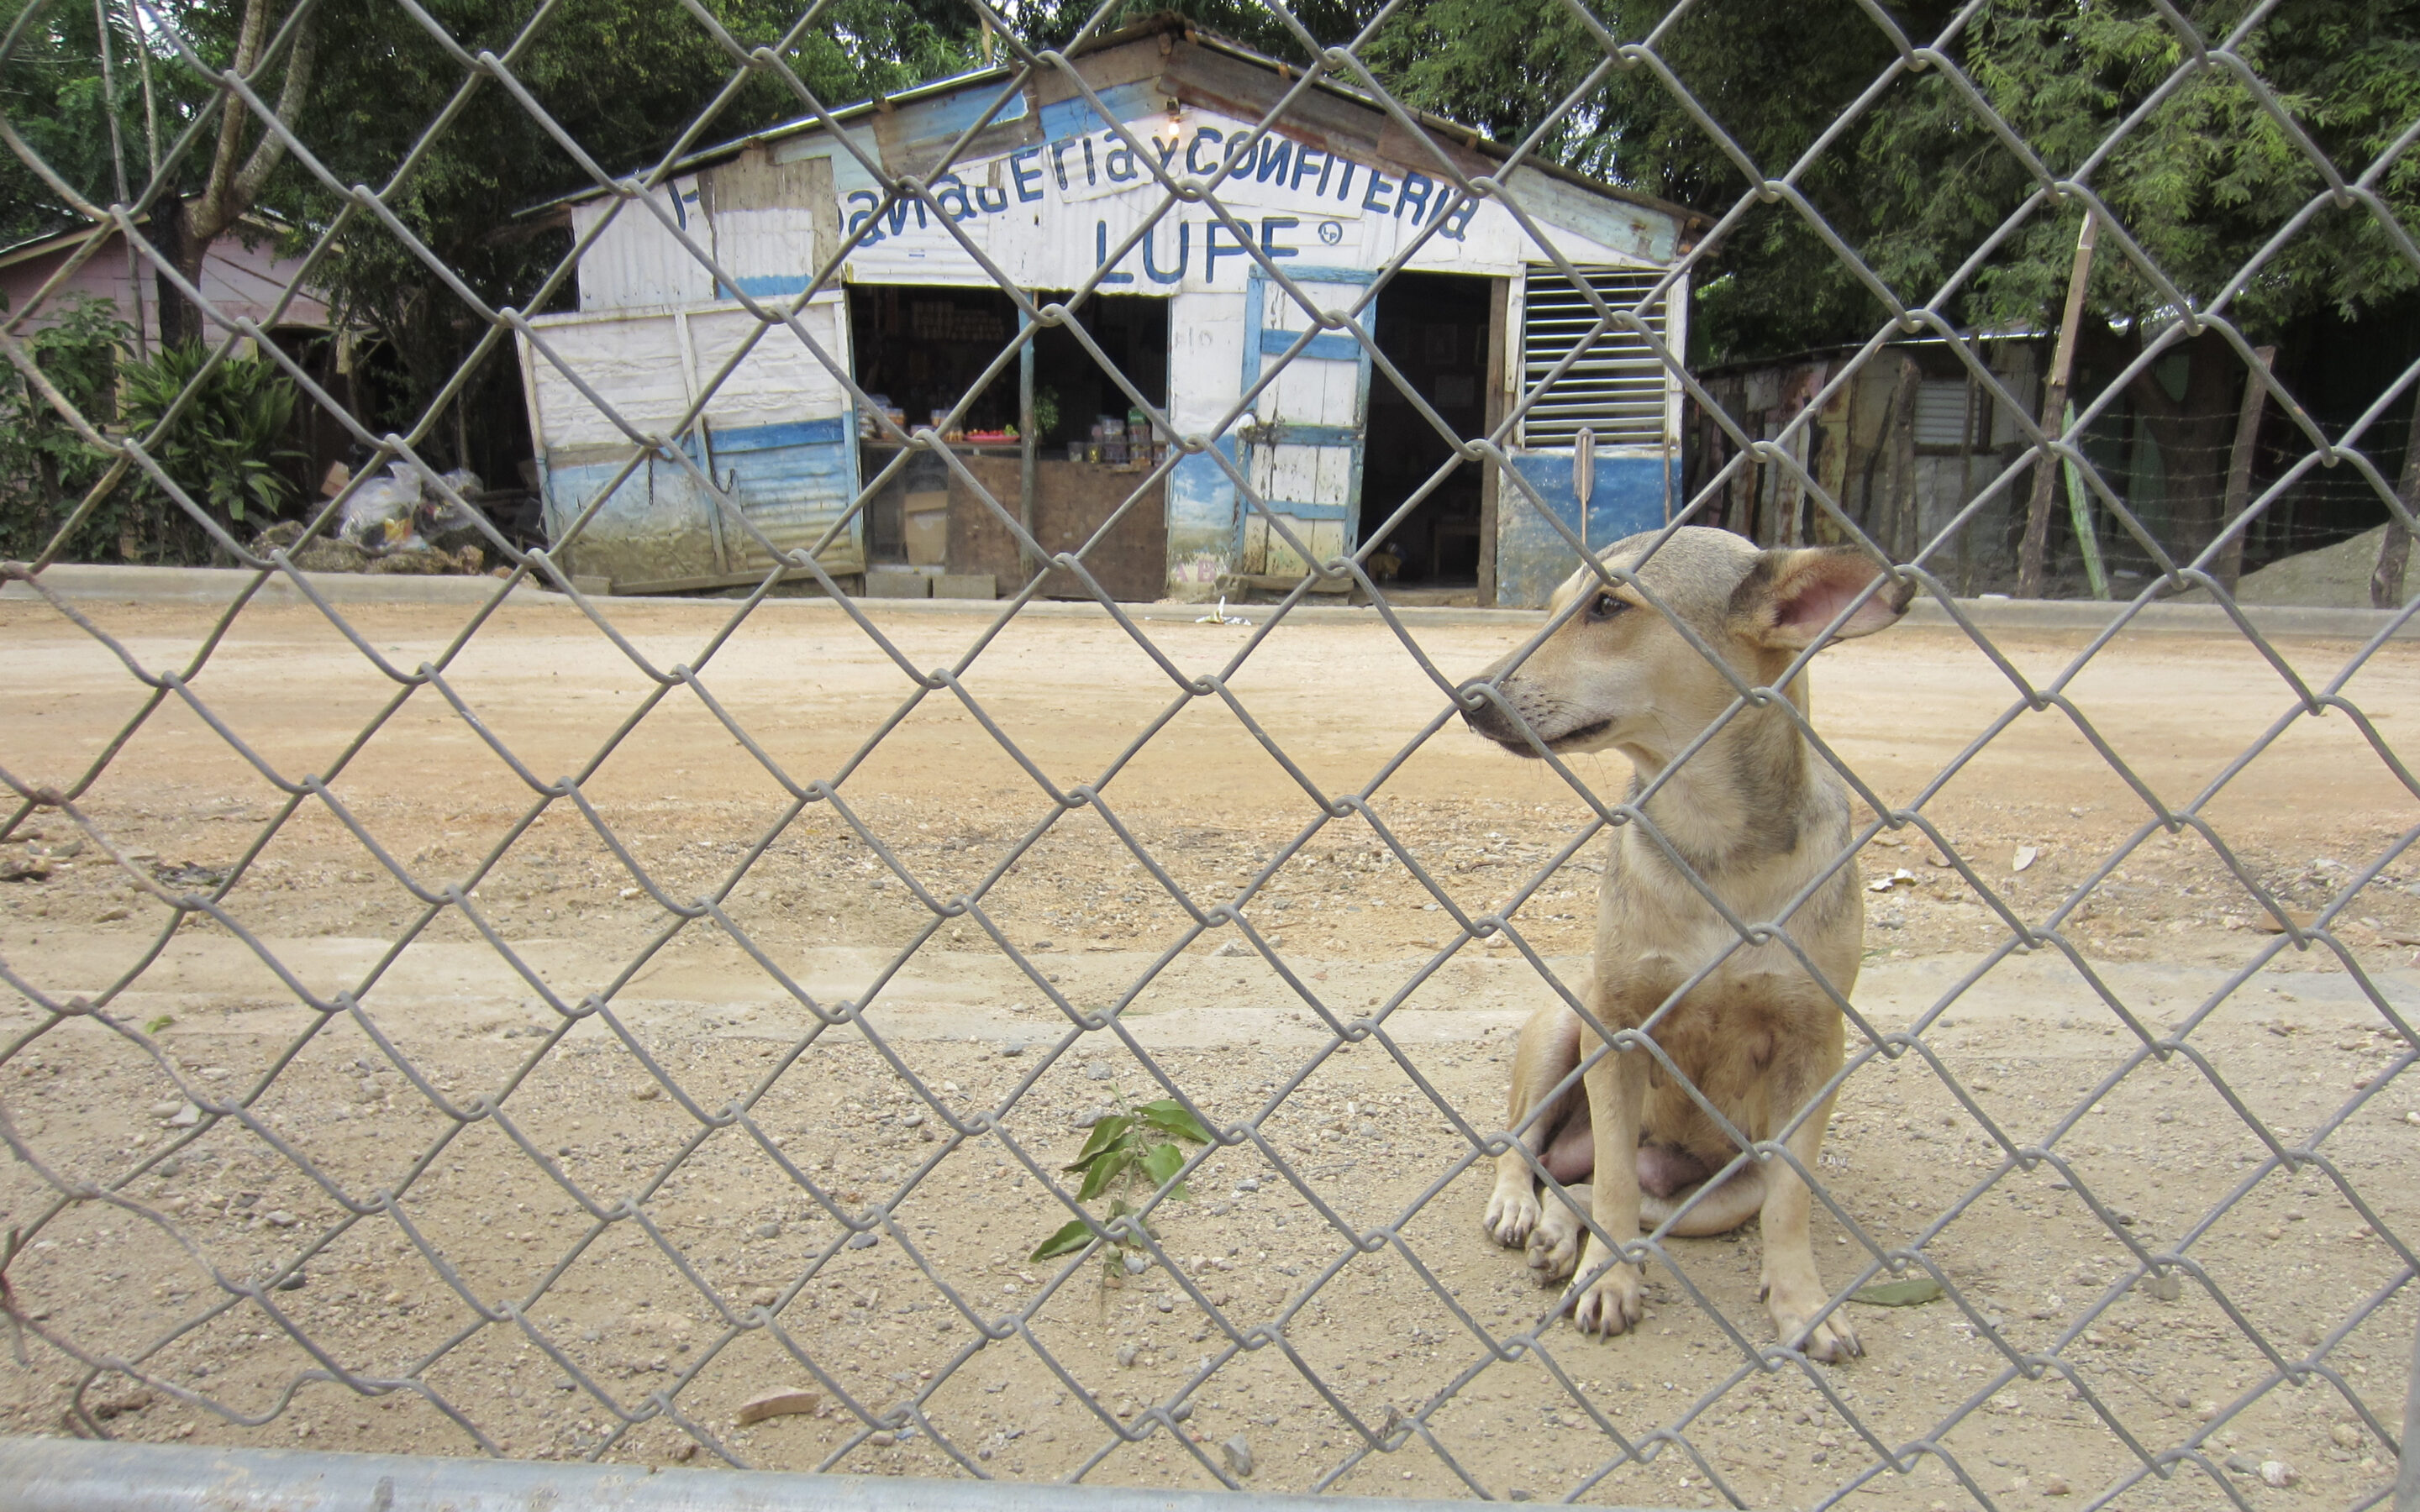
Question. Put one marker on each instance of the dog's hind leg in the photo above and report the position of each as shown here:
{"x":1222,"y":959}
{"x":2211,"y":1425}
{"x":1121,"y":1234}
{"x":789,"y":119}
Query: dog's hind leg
{"x":1549,"y":1047}
{"x":1718,"y":1212}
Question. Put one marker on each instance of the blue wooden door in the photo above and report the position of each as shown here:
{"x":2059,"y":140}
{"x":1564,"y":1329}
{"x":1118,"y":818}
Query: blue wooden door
{"x":1303,"y":440}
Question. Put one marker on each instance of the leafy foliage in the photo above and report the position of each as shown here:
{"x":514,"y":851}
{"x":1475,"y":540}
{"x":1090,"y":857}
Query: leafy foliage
{"x":222,"y":447}
{"x":45,"y":466}
{"x":1905,"y":173}
{"x":1129,"y":1152}
{"x":1919,"y":181}
{"x":626,"y":79}
{"x":1054,"y":23}
{"x":51,"y":92}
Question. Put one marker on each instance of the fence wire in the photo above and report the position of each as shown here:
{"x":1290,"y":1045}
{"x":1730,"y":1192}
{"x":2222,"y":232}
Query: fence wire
{"x":899,"y":1130}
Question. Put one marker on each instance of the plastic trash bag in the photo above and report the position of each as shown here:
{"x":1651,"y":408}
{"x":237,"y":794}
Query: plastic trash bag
{"x":384,"y":514}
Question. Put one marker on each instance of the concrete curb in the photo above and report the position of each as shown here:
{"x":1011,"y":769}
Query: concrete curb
{"x":105,"y":583}
{"x":73,"y":1475}
{"x":220,"y":585}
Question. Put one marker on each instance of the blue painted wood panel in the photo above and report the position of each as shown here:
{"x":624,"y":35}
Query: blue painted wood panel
{"x":1531,"y":557}
{"x":791,"y":481}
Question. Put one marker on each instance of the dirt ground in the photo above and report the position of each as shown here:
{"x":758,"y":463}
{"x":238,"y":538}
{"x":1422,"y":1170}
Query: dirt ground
{"x":535,"y":1192}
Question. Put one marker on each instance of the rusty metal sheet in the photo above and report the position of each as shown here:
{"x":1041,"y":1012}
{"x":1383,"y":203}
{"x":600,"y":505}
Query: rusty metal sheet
{"x":1126,"y":63}
{"x":1212,"y":80}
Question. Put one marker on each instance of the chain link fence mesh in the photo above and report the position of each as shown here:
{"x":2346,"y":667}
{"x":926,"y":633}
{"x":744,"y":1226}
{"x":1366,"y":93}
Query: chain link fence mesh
{"x":576,"y":1224}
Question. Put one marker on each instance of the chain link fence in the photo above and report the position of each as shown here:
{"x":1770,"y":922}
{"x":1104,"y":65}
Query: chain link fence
{"x":742,"y":1111}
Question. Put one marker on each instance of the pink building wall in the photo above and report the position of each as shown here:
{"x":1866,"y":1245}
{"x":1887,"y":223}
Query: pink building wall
{"x":240,"y":280}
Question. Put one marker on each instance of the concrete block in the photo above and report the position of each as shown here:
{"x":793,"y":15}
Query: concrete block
{"x":965,"y":585}
{"x":928,"y":537}
{"x":897,"y":585}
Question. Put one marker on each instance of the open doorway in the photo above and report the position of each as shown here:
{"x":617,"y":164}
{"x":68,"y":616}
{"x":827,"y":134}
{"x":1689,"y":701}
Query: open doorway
{"x":1071,"y":390}
{"x":1434,"y":328}
{"x":918,"y":349}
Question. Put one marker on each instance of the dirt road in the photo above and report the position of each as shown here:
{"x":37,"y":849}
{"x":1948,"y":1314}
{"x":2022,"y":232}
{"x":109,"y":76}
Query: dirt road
{"x":521,"y":1208}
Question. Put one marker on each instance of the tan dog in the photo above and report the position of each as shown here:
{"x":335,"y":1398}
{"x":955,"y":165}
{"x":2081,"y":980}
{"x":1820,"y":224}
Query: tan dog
{"x":1759,"y":816}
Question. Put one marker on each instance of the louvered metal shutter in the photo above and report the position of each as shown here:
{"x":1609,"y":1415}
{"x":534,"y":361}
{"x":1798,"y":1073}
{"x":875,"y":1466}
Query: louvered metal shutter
{"x":1941,"y":413}
{"x":1617,"y":387}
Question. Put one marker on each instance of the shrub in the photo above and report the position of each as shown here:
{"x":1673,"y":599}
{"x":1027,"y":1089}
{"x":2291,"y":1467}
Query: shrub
{"x":223,"y":448}
{"x":45,"y":466}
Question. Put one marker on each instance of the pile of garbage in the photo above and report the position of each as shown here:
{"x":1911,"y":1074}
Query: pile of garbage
{"x":392,"y":524}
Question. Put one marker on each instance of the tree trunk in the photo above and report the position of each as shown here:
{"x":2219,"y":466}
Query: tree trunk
{"x":2193,"y":431}
{"x":2238,"y":471}
{"x":181,"y":320}
{"x":187,"y":228}
{"x":2394,"y":551}
{"x":2034,"y":552}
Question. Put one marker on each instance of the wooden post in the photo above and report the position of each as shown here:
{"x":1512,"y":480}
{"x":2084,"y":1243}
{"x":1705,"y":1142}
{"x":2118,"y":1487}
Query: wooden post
{"x":2054,"y":405}
{"x":1740,"y":514}
{"x":1967,"y":485}
{"x":1025,"y":438}
{"x":2386,"y":583}
{"x":1490,"y":487}
{"x":1797,"y":450}
{"x":1899,"y":461}
{"x":2238,"y":471}
{"x":2079,"y":515}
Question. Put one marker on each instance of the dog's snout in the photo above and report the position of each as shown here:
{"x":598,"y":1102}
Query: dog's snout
{"x":1484,"y":712}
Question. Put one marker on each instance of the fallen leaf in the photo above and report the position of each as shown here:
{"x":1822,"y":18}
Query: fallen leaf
{"x":1886,"y":884}
{"x":780,"y":1404}
{"x":2026,"y":855}
{"x":1909,"y":1293}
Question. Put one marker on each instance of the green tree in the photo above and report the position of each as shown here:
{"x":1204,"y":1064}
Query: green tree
{"x":50,"y":92}
{"x":244,"y":151}
{"x":1919,"y":181}
{"x":626,"y":79}
{"x":1054,"y":23}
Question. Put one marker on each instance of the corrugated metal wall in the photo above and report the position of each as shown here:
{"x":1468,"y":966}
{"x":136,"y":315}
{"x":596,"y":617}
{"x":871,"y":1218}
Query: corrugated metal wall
{"x":777,"y":435}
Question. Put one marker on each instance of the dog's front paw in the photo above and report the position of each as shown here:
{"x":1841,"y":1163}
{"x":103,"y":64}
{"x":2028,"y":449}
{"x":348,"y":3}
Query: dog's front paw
{"x":1833,"y":1341}
{"x":1612,"y":1304}
{"x":1511,"y":1216}
{"x":1555,"y":1247}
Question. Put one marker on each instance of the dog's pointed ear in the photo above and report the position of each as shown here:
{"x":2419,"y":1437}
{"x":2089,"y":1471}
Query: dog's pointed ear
{"x":1789,"y":597}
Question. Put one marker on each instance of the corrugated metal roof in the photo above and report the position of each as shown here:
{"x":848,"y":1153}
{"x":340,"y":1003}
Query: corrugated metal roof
{"x":1465,"y":135}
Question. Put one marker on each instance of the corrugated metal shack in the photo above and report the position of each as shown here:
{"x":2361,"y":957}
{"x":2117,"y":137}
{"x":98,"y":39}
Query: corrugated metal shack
{"x":1336,"y":188}
{"x":1906,"y":443}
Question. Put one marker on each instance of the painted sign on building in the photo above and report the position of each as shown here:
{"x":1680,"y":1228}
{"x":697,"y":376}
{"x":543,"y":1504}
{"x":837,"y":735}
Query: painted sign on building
{"x":1049,"y":194}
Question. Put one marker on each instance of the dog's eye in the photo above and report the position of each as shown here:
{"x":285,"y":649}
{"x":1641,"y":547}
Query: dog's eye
{"x":1604,"y":607}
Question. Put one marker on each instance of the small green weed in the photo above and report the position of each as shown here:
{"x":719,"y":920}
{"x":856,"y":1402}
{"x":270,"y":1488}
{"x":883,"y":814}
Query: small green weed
{"x":1128,"y":1152}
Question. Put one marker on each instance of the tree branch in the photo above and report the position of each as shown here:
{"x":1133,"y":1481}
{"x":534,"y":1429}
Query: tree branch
{"x":271,"y":149}
{"x":205,"y":215}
